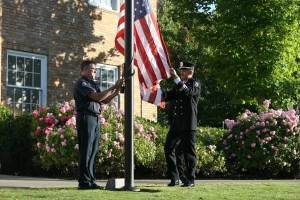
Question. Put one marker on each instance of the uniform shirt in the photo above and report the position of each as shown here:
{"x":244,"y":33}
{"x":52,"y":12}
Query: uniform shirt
{"x":83,"y":88}
{"x":185,"y":97}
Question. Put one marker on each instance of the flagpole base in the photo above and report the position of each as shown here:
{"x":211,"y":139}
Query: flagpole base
{"x":133,"y":189}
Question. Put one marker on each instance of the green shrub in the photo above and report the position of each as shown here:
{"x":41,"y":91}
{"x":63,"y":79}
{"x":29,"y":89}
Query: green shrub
{"x":21,"y":151}
{"x":6,"y":130}
{"x":15,"y":143}
{"x":267,"y":142}
{"x":210,"y":156}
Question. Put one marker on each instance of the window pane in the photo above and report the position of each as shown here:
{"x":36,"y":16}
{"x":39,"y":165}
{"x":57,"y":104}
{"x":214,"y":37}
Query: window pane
{"x":103,"y":86}
{"x":35,"y":97}
{"x":12,"y":62}
{"x":11,"y":77}
{"x":27,"y":107}
{"x":103,"y":75}
{"x":110,"y":76}
{"x":10,"y":95}
{"x":28,"y":79}
{"x":28,"y":64}
{"x":37,"y":80}
{"x":20,"y":64}
{"x":24,"y":72}
{"x":97,"y":74}
{"x":18,"y":95}
{"x":18,"y":109}
{"x":37,"y":66}
{"x":20,"y":79}
{"x":109,"y":85}
{"x":10,"y":105}
{"x":26,"y":96}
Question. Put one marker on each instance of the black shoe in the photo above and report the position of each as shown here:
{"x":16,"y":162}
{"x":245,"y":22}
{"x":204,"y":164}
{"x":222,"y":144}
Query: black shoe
{"x":174,"y":182}
{"x":188,"y":185}
{"x":97,"y":187}
{"x":90,"y":187}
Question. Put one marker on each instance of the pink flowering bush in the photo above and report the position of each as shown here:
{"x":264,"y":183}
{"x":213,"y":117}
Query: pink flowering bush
{"x":55,"y":136}
{"x":112,"y":146}
{"x":268,"y":142}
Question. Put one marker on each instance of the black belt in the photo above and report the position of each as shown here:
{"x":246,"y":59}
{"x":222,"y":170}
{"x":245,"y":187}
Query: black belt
{"x":89,"y":113}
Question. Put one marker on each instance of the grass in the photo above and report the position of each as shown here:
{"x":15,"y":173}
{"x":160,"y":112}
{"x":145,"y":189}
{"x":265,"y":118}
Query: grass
{"x":215,"y":191}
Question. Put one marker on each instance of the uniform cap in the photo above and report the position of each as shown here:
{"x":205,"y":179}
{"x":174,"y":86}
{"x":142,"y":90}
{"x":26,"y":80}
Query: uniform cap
{"x":186,"y":65}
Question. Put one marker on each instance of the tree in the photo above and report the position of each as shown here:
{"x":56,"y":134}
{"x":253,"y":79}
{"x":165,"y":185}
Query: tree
{"x":255,"y":50}
{"x":250,"y":48}
{"x":185,"y":34}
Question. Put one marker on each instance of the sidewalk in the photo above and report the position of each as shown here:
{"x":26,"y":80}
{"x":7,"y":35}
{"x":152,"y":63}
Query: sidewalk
{"x":8,"y":181}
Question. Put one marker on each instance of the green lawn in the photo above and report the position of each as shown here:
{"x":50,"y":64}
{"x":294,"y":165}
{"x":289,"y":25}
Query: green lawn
{"x":215,"y":191}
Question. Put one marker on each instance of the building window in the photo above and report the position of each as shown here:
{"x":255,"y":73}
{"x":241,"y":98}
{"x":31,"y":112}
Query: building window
{"x":26,"y":81}
{"x":106,"y":76}
{"x":107,"y":4}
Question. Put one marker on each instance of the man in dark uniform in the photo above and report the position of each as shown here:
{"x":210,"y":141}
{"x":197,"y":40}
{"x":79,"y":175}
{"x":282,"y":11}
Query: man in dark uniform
{"x":182,"y":133}
{"x":88,"y":99}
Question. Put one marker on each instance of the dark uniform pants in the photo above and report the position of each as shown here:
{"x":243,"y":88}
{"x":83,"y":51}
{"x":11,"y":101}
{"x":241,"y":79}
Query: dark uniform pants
{"x":186,"y":141}
{"x":88,"y":129}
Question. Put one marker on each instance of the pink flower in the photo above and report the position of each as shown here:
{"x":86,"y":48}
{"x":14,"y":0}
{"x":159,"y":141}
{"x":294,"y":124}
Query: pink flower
{"x":253,"y":145}
{"x":105,"y":136}
{"x":102,"y":120}
{"x":139,"y":127}
{"x":121,"y":112}
{"x":38,"y":130}
{"x":74,"y":132}
{"x":272,"y":132}
{"x":47,"y":148}
{"x":294,"y":152}
{"x":248,"y":156}
{"x":266,"y":102}
{"x":53,"y":150}
{"x":64,"y":143}
{"x":152,"y":129}
{"x":76,"y":146}
{"x":42,"y":108}
{"x":62,"y":110}
{"x":35,"y":113}
{"x":275,"y":148}
{"x":261,"y":140}
{"x":229,"y":136}
{"x":104,"y":107}
{"x":230,"y":123}
{"x":109,"y":153}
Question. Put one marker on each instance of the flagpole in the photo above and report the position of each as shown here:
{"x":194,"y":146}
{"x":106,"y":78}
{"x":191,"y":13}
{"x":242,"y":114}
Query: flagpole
{"x":129,"y":71}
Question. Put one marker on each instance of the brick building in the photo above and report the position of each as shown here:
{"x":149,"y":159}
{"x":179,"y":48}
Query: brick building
{"x":42,"y":44}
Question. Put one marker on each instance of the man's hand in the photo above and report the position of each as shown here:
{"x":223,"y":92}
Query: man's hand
{"x":173,"y":73}
{"x":119,"y":83}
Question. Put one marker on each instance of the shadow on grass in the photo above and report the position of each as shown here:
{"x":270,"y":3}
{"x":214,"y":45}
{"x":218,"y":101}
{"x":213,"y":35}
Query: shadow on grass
{"x":145,"y":190}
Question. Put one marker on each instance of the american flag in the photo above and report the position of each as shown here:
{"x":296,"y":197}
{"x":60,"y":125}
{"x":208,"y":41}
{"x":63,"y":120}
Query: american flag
{"x":150,"y":53}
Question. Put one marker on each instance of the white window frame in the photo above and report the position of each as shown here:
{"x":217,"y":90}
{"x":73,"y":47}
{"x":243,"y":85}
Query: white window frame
{"x":43,"y":87}
{"x":107,"y":4}
{"x":116,"y":72}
